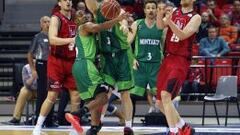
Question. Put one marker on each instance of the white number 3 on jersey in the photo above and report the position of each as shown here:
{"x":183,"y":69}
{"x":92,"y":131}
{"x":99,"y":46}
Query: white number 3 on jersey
{"x":174,"y":38}
{"x":108,"y":41}
{"x":149,"y":56}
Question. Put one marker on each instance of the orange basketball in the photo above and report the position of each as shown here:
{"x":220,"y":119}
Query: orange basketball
{"x":110,"y":9}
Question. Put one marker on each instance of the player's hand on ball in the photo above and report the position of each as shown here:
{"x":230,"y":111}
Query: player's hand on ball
{"x":125,"y":15}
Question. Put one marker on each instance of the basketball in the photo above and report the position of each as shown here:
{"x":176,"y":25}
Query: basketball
{"x":110,"y":9}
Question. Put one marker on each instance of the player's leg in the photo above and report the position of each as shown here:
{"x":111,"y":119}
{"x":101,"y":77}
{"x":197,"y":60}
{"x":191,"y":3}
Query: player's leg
{"x":75,"y":100}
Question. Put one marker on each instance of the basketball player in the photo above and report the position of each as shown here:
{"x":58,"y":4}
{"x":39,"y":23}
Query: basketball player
{"x":92,"y":88}
{"x":182,"y":25}
{"x":60,"y":60}
{"x":148,"y":52}
{"x":116,"y":60}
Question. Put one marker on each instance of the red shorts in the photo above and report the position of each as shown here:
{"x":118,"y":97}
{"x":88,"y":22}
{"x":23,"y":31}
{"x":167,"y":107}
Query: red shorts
{"x":59,"y":73}
{"x":172,"y":74}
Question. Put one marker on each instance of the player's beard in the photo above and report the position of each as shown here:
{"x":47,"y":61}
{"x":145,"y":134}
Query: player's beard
{"x":151,"y":15}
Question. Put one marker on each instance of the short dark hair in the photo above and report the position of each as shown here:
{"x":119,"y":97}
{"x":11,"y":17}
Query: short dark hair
{"x":212,"y":27}
{"x":149,"y":1}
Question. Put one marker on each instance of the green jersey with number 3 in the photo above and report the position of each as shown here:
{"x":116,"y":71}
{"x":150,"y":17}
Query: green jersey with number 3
{"x":148,"y":47}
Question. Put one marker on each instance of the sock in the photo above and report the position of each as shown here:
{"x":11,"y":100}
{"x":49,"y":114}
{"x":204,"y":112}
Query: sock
{"x":40,"y":121}
{"x":181,"y":123}
{"x":128,"y":124}
{"x":102,"y":117}
{"x":173,"y":129}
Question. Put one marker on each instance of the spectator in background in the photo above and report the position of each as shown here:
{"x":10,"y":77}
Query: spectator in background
{"x":192,"y":83}
{"x":203,"y":29}
{"x":138,"y":8}
{"x":39,"y":50}
{"x":27,"y":92}
{"x":213,"y":45}
{"x":213,"y":11}
{"x":199,"y":4}
{"x":175,"y":2}
{"x":235,"y":14}
{"x":81,"y":6}
{"x":228,"y":32}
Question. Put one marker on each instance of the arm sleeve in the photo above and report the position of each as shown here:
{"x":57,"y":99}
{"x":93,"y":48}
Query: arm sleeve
{"x":33,"y":45}
{"x":203,"y":49}
{"x":224,"y":46}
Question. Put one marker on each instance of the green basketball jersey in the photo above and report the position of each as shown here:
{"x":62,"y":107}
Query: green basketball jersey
{"x":111,"y":40}
{"x":86,"y":47}
{"x":148,"y":47}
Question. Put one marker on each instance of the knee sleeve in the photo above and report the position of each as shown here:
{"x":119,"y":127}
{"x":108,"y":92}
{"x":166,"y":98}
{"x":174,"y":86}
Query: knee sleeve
{"x":101,"y":88}
{"x":111,"y":108}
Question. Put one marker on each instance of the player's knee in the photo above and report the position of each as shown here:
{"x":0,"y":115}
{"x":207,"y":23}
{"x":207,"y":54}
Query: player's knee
{"x":111,"y":108}
{"x":51,"y":99}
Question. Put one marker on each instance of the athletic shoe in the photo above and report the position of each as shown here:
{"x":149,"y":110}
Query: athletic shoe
{"x":128,"y":131}
{"x":37,"y":130}
{"x":171,"y":133}
{"x":186,"y":130}
{"x":13,"y":121}
{"x":74,"y":121}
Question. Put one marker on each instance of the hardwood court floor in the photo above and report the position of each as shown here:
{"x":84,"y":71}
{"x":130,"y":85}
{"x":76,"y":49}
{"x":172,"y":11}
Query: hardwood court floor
{"x":27,"y":130}
{"x":50,"y":133}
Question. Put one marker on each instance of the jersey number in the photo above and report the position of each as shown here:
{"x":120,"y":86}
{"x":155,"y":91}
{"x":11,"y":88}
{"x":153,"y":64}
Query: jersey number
{"x":108,"y":41}
{"x":149,"y":56}
{"x":174,"y":38}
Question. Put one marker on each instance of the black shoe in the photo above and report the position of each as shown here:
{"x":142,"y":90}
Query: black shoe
{"x":52,"y":124}
{"x":94,"y":130}
{"x":128,"y":131}
{"x":13,"y":121}
{"x":84,"y":120}
{"x":30,"y":121}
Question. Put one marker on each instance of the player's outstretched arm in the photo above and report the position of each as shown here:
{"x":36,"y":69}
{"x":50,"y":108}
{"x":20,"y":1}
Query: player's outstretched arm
{"x":94,"y":28}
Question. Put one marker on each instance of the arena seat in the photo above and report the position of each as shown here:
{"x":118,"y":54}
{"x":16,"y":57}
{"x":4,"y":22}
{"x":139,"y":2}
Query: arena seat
{"x":223,"y":68}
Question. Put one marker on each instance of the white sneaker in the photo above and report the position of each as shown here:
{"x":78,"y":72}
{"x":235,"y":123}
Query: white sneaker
{"x":151,"y":109}
{"x":37,"y":131}
{"x":73,"y":132}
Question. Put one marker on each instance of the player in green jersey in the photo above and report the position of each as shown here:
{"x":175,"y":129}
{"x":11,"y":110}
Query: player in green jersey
{"x":116,"y":60}
{"x":148,"y":50}
{"x":89,"y":82}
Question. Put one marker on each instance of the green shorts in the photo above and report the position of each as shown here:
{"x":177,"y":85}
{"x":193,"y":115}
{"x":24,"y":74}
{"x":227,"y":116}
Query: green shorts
{"x":87,"y":78}
{"x":116,"y":69}
{"x":144,"y":75}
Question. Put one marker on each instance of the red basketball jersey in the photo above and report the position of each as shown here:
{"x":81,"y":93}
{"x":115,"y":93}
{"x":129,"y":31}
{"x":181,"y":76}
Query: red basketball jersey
{"x":173,"y":44}
{"x":67,"y":29}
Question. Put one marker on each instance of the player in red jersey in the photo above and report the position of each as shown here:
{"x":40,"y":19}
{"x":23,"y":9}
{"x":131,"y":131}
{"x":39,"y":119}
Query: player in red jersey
{"x":182,"y":25}
{"x":62,"y":54}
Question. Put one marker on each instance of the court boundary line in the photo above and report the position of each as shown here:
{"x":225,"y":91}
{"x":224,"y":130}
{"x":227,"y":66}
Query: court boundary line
{"x":120,"y":128}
